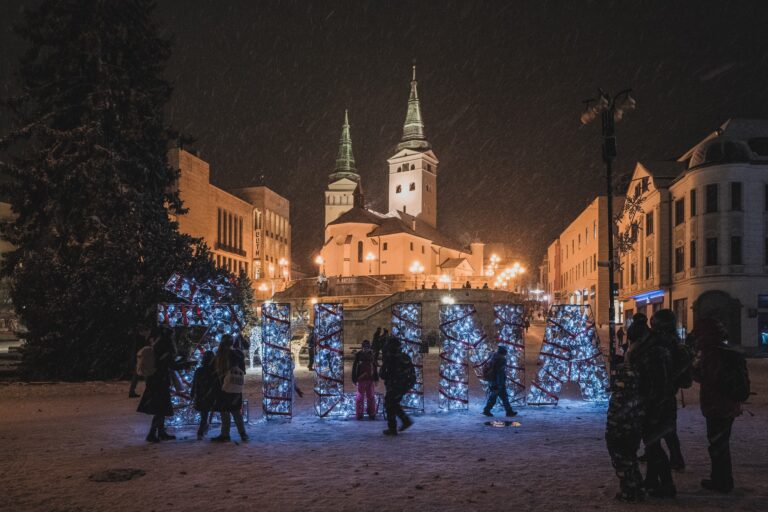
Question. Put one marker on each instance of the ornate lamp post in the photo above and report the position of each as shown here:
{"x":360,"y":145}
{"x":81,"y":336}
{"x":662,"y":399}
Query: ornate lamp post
{"x":416,"y":269}
{"x":370,"y":257}
{"x":610,"y":110}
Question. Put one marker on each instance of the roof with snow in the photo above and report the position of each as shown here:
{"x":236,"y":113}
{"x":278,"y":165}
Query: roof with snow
{"x":736,"y":140}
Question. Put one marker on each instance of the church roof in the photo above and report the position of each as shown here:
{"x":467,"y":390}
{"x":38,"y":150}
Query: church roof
{"x":345,"y":159}
{"x":452,"y":263}
{"x":399,"y":223}
{"x":413,"y":128}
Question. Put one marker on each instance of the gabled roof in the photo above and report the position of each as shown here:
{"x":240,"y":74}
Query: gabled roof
{"x":453,"y":263}
{"x":358,"y":215}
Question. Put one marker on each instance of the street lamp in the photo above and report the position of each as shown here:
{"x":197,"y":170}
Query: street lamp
{"x":611,"y":110}
{"x":369,"y":258}
{"x":446,"y":280}
{"x":416,"y":269}
{"x":319,"y":261}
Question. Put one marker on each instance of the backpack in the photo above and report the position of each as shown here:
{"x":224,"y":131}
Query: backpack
{"x":488,"y":371}
{"x":145,"y":362}
{"x":682,"y":365}
{"x":407,"y":373}
{"x":735,"y":375}
{"x":234,"y":381}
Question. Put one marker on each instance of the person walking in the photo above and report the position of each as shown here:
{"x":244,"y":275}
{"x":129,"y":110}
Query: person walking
{"x":653,"y":362}
{"x":205,"y":388}
{"x":620,"y":339}
{"x":399,"y":376}
{"x":157,"y":361}
{"x":497,"y":382}
{"x":311,"y":342}
{"x":229,"y":364}
{"x":623,"y":431}
{"x":364,"y":376}
{"x":722,"y":373}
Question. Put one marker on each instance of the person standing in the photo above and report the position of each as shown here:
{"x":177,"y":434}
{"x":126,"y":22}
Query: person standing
{"x":205,"y":388}
{"x":620,"y":338}
{"x":724,"y":380}
{"x":156,"y":399}
{"x":399,"y":376}
{"x":311,"y":342}
{"x":364,"y":376}
{"x":142,"y":340}
{"x":229,"y":364}
{"x":653,"y":362}
{"x":497,"y":383}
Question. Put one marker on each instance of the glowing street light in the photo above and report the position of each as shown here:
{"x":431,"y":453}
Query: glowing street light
{"x":446,"y":280}
{"x":369,"y":258}
{"x":416,"y":269}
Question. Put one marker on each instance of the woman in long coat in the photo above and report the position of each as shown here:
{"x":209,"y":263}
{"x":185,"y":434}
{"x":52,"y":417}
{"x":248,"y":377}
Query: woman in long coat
{"x":227,"y":358}
{"x":156,"y":399}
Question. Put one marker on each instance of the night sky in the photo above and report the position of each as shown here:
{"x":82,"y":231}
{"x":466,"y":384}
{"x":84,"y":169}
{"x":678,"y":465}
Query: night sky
{"x":263,"y":86}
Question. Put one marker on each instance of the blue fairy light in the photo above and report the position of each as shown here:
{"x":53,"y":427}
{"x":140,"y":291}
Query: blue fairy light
{"x":508,"y":319}
{"x":570,"y":353}
{"x":406,"y":326}
{"x":276,"y":361}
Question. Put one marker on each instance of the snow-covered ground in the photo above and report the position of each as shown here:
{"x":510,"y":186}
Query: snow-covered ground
{"x":54,"y":436}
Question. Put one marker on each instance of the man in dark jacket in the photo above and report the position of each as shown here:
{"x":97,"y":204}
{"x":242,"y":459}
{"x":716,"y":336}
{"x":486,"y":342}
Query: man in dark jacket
{"x":396,"y":370}
{"x":711,"y":369}
{"x":652,"y":360}
{"x":498,"y":384}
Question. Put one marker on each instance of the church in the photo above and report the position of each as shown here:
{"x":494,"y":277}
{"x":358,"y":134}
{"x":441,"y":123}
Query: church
{"x":405,"y":240}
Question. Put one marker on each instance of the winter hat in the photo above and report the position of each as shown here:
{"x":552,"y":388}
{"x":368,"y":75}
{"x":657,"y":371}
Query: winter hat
{"x":664,"y":320}
{"x":366,"y":344}
{"x":502,"y":349}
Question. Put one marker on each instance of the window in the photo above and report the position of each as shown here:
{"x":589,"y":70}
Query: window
{"x":645,"y":184}
{"x":218,"y":228}
{"x":411,"y":245}
{"x":398,"y":189}
{"x":648,"y":223}
{"x":359,"y":252}
{"x":692,"y":254}
{"x":412,"y":187}
{"x":736,"y":250}
{"x":632,"y":274}
{"x":413,"y":167}
{"x":736,"y":195}
{"x":648,"y":267}
{"x":594,"y":229}
{"x":711,"y":254}
{"x":422,"y":249}
{"x":385,"y":246}
{"x":679,"y":259}
{"x":693,"y":203}
{"x":711,"y":198}
{"x":679,"y":211}
{"x":637,"y":190}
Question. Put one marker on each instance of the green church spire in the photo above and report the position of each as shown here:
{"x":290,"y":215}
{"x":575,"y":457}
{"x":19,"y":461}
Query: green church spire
{"x":413,"y":129}
{"x":345,"y":160}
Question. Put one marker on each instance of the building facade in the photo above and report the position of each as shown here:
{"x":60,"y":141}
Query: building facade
{"x":405,"y":240}
{"x":575,"y":275}
{"x":247,"y":229}
{"x":712,"y":238}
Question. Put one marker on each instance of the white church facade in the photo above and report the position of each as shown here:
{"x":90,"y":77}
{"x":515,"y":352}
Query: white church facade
{"x":405,"y":240}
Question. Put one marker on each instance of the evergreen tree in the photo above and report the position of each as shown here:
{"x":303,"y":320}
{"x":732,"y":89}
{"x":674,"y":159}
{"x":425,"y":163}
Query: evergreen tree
{"x":91,"y":187}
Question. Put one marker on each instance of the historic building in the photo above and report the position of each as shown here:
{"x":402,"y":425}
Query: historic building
{"x":699,"y":237}
{"x":405,"y":240}
{"x":247,"y":229}
{"x":574,"y":273}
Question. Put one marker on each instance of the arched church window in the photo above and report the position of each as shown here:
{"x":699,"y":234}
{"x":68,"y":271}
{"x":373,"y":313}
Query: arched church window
{"x":412,"y":186}
{"x":398,"y":189}
{"x":359,"y":252}
{"x":413,"y":167}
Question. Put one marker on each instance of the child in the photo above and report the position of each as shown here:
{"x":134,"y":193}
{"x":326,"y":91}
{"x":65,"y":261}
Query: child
{"x":365,"y":375}
{"x":204,"y":391}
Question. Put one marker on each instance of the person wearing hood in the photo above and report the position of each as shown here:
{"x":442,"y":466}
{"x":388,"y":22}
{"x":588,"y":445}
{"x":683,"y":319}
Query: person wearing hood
{"x":497,"y":385}
{"x":715,"y":367}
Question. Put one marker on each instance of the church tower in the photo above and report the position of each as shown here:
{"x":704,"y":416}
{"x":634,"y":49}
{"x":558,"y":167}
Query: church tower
{"x":339,"y":197}
{"x":413,"y":167}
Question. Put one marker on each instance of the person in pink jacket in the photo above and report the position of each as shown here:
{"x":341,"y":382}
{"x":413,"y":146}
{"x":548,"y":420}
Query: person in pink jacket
{"x":364,"y":375}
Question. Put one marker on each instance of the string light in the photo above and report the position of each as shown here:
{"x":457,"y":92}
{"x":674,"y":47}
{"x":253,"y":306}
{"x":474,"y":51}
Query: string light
{"x":276,"y":361}
{"x":330,"y":399}
{"x":570,"y":353}
{"x":406,"y":327}
{"x":508,"y":319}
{"x":202,"y":308}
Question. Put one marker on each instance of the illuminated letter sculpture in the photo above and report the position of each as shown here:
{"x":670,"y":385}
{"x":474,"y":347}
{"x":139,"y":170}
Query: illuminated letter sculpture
{"x":406,"y":327}
{"x":462,"y":335}
{"x":201,"y":309}
{"x":276,"y":361}
{"x":570,"y":352}
{"x":508,"y":319}
{"x":329,"y":362}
